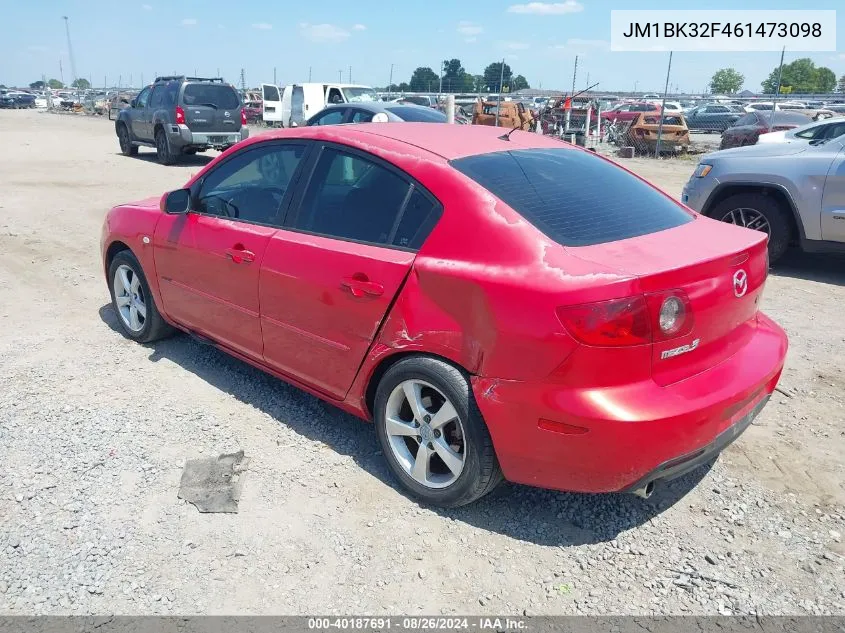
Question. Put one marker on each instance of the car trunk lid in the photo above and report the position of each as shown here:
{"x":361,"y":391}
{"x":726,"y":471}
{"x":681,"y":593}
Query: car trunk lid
{"x":720,"y":270}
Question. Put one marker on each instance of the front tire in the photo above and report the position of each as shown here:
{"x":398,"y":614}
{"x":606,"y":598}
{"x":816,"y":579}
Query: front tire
{"x":759,"y":212}
{"x":432,"y":434}
{"x":133,"y":303}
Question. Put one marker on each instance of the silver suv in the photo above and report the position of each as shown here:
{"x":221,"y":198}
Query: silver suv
{"x":182,"y":115}
{"x":793,"y":192}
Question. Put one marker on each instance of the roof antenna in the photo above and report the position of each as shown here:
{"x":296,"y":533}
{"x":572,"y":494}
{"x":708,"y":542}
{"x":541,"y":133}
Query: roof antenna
{"x":507,"y":135}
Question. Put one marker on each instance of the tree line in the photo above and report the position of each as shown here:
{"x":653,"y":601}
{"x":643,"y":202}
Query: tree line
{"x":456,"y":79}
{"x":55,"y":84}
{"x":801,"y":77}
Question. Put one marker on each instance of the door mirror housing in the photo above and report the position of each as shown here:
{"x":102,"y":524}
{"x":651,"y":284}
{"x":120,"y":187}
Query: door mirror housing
{"x":176,"y":202}
{"x":133,"y":102}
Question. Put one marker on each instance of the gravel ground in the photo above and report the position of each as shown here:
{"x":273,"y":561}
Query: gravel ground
{"x":94,"y":431}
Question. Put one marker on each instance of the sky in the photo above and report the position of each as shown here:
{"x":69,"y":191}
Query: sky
{"x":133,"y":40}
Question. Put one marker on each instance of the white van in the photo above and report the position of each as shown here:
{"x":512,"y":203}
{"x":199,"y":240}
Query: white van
{"x":271,"y":110}
{"x":302,"y":101}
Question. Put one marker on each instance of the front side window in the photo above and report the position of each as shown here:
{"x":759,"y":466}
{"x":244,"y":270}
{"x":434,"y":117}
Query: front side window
{"x":251,"y":185}
{"x":141,"y":100}
{"x":334,"y":96}
{"x":546,"y":187}
{"x":351,"y":198}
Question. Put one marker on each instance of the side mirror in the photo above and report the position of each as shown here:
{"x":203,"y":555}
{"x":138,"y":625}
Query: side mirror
{"x":177,"y":202}
{"x":133,"y":102}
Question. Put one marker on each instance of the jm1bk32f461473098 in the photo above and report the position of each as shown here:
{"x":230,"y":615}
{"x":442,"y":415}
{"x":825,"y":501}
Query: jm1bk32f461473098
{"x":583,"y":339}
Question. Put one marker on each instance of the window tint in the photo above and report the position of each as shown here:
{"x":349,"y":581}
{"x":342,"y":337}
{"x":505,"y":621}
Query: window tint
{"x":351,"y":198}
{"x":251,"y":185}
{"x":418,"y":218}
{"x":361,"y":116}
{"x":334,"y":96}
{"x":420,"y":114}
{"x":271,"y":93}
{"x":817,"y":131}
{"x":748,"y":119}
{"x":332,"y":117}
{"x":217,"y":95}
{"x":156,"y":96}
{"x":141,"y":100}
{"x":834,"y":131}
{"x":546,"y":187}
{"x":171,"y":93}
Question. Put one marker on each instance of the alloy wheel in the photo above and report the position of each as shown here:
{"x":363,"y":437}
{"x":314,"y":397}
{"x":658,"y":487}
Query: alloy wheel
{"x":129,"y":298}
{"x":749,"y":218}
{"x":425,"y":434}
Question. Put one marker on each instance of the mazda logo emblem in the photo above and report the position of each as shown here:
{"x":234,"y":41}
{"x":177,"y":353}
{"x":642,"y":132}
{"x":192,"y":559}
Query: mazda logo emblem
{"x":740,"y":283}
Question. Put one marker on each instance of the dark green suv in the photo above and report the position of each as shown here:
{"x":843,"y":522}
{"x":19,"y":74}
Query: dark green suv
{"x":182,"y":115}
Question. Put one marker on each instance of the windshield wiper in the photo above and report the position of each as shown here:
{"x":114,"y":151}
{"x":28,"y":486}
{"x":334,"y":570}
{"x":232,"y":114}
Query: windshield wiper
{"x":210,"y":105}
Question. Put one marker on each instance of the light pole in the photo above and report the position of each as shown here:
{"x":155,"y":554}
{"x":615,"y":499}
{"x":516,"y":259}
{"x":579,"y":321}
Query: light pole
{"x":70,"y":49}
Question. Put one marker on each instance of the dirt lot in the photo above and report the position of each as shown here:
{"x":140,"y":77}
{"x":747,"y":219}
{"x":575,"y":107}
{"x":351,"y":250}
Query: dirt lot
{"x":94,"y":431}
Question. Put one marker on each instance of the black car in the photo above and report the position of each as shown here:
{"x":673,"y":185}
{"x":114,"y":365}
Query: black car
{"x":182,"y":115}
{"x":714,"y":117}
{"x":377,"y":111}
{"x":17,"y":100}
{"x":7,"y":101}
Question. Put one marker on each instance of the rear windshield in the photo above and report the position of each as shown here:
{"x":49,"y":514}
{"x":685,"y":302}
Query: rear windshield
{"x":574,"y":197}
{"x":419,"y":113}
{"x":216,"y":95}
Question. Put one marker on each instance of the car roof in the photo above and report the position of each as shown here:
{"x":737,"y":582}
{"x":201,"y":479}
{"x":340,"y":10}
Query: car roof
{"x":446,"y":140}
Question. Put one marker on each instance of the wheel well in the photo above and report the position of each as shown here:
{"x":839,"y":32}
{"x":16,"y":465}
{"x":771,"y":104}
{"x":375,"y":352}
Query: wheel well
{"x":113,"y":249}
{"x":119,"y":124}
{"x":387,"y":363}
{"x":761,"y":190}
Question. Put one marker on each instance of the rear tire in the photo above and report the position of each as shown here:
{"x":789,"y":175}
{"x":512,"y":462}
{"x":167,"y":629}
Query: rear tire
{"x":480,"y":472}
{"x":736,"y":208}
{"x":123,"y":137}
{"x":164,"y":153}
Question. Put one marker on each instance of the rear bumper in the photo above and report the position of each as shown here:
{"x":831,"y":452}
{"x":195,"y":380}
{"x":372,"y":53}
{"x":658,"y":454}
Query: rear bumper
{"x":182,"y":136}
{"x":634,"y":433}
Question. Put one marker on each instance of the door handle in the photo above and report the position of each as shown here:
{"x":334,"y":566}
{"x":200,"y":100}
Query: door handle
{"x":239,"y":255}
{"x":360,"y":286}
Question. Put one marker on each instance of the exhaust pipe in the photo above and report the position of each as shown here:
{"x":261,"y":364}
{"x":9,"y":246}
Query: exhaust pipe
{"x":645,"y":491}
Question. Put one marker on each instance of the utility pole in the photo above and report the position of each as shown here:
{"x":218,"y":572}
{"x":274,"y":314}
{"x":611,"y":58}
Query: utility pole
{"x":350,"y":74}
{"x":442,"y":68}
{"x":61,"y":72}
{"x":309,"y":74}
{"x":274,"y":75}
{"x":777,"y":90}
{"x":663,"y":109}
{"x":499,"y":101}
{"x":588,"y":80}
{"x":70,"y":49}
{"x":243,"y":79}
{"x":390,"y":82}
{"x":340,"y":76}
{"x":575,"y":74}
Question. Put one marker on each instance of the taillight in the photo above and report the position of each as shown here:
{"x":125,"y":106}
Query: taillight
{"x":671,"y":314}
{"x":614,"y":323}
{"x":243,"y":117}
{"x":180,"y":114}
{"x":639,"y":320}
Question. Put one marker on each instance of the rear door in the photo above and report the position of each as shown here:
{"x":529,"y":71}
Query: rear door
{"x":330,"y":275}
{"x":211,"y":107}
{"x":297,"y":104}
{"x":208,"y":261}
{"x":272,"y":99}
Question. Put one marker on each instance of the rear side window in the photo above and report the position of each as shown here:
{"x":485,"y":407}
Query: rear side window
{"x":216,"y":95}
{"x":573,"y":197}
{"x":419,"y":114}
{"x":748,"y":119}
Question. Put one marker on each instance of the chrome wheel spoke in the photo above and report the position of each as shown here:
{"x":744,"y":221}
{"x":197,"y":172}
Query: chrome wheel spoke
{"x":123,"y":273}
{"x":454,"y":462}
{"x":422,"y":464}
{"x":121,"y":300}
{"x":444,"y":415}
{"x":135,"y":284}
{"x":141,"y":308}
{"x":413,"y":393}
{"x":134,"y":321}
{"x":397,"y":427}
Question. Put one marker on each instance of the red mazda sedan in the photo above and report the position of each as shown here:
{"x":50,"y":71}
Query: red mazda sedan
{"x":500,"y":305}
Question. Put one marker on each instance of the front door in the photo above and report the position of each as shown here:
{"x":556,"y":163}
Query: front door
{"x":833,"y":200}
{"x":139,"y":115}
{"x":208,"y":261}
{"x":328,"y":279}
